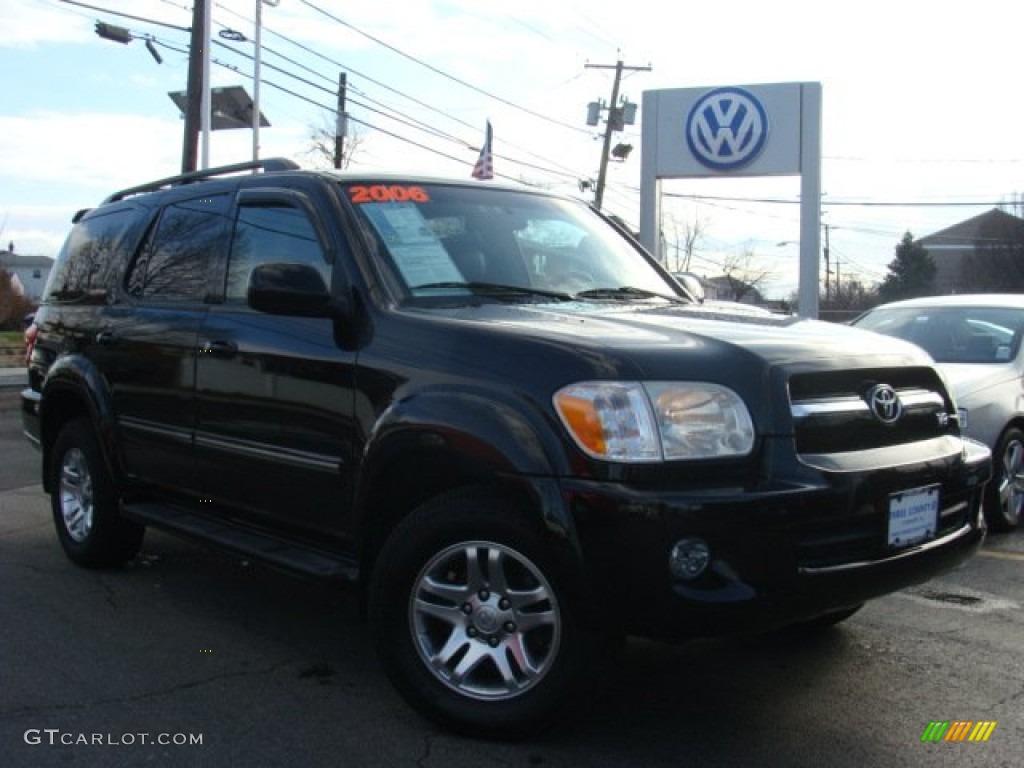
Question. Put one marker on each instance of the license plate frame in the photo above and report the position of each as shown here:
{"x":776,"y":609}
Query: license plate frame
{"x":912,"y":516}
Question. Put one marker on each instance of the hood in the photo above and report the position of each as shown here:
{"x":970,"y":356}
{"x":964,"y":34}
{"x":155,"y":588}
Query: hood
{"x":644,"y":332}
{"x":965,"y":379}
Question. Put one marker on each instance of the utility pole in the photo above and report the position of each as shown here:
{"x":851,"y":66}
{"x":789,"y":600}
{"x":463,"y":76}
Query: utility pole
{"x":341,"y":123}
{"x":194,"y":89}
{"x":206,"y":97}
{"x":614,"y":119}
{"x":828,"y":271}
{"x":257,"y":63}
{"x":839,"y":292}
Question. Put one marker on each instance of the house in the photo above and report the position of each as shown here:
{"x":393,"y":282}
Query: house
{"x":30,"y":272}
{"x":983,"y":253}
{"x":728,"y":288}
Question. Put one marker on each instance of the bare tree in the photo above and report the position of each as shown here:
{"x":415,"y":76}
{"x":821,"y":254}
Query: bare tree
{"x":323,"y":142}
{"x":742,"y":277}
{"x":682,"y":238}
{"x":847,"y":300}
{"x":13,"y":304}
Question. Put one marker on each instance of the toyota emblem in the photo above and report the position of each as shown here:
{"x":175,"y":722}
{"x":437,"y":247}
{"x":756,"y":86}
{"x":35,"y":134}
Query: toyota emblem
{"x":885,"y":403}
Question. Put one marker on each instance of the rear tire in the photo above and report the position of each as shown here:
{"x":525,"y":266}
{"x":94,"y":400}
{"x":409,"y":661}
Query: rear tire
{"x":85,"y":502}
{"x":1005,"y":493}
{"x":478,"y":618}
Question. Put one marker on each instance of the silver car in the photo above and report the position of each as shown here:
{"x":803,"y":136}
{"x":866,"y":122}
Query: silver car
{"x":976,"y":340}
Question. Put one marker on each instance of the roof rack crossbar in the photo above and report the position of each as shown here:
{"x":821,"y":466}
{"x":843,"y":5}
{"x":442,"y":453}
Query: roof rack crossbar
{"x":267,"y":165}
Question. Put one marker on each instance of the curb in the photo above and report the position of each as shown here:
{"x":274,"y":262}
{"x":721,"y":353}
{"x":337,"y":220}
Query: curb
{"x":13,"y":377}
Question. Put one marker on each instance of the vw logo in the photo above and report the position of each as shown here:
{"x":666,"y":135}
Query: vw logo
{"x":885,"y":403}
{"x":726,"y":129}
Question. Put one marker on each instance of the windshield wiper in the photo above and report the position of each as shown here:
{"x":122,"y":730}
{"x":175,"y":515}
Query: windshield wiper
{"x":496,"y":290}
{"x":626,"y":292}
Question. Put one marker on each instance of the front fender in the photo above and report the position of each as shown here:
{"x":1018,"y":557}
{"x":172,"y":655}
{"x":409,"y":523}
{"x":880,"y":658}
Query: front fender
{"x":476,"y":425}
{"x":433,"y":441}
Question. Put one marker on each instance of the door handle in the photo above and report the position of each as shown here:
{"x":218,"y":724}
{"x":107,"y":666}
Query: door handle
{"x":218,"y":348}
{"x":105,"y":337}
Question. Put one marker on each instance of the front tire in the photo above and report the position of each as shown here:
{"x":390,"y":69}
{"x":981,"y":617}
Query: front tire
{"x":477,"y":617}
{"x":1005,"y":493}
{"x":85,"y":502}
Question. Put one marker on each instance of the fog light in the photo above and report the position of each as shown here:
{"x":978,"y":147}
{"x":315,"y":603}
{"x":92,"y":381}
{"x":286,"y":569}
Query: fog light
{"x":689,"y":558}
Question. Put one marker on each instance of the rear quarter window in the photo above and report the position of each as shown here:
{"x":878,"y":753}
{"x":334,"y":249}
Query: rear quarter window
{"x":93,"y":256}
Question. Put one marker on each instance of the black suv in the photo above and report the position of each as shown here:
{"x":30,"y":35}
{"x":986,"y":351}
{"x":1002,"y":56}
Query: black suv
{"x":492,"y":410}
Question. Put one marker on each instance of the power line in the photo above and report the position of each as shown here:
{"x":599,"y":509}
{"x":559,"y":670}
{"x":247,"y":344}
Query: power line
{"x":441,"y":72}
{"x":851,"y":203}
{"x":409,"y":121}
{"x":125,"y":15}
{"x":563,"y":171}
{"x":372,"y":126}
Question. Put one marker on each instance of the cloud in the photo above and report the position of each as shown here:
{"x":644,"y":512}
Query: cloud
{"x":95,"y":150}
{"x":28,"y":25}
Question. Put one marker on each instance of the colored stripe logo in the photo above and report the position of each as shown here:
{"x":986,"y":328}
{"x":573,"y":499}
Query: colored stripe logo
{"x":958,"y":730}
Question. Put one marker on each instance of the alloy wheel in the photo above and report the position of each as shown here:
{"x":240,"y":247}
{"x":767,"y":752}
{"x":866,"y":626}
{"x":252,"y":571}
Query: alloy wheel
{"x":76,"y":495}
{"x":1011,"y":484}
{"x":485,"y":620}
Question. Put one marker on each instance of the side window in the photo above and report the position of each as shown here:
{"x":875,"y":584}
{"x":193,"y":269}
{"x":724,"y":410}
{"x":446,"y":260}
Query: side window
{"x":175,"y":261}
{"x":266,"y":233}
{"x":92,"y":257}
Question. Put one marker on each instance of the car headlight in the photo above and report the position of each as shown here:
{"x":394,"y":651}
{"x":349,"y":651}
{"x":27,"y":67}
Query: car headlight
{"x":655,"y":421}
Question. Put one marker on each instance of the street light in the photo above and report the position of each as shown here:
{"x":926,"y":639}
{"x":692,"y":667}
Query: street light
{"x":115,"y":33}
{"x":124,"y":36}
{"x":237,"y":37}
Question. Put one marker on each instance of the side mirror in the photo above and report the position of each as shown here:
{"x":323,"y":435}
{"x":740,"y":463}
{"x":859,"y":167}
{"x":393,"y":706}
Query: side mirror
{"x":289,"y":289}
{"x":692,"y":285}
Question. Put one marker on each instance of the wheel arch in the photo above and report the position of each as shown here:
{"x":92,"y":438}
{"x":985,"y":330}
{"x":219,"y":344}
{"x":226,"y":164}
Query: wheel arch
{"x":425,"y":447}
{"x":1017,"y":422}
{"x":75,"y":389}
{"x":999,"y":519}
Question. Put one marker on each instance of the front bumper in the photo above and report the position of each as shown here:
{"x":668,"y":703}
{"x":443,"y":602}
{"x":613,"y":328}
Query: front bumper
{"x":780,"y":554}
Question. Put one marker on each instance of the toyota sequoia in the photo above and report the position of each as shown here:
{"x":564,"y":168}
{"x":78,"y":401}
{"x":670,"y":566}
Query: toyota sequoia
{"x":492,"y":412}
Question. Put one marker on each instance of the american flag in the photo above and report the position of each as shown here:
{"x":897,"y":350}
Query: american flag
{"x":484,"y":168}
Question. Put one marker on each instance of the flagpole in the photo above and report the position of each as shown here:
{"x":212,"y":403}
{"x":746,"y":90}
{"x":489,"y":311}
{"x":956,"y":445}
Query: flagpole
{"x":484,"y":168}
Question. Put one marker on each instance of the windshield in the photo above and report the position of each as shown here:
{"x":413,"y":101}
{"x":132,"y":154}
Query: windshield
{"x":463,"y":241}
{"x":953,"y":334}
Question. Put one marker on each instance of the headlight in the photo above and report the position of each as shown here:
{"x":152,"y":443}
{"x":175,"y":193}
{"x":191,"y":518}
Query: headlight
{"x":655,"y":421}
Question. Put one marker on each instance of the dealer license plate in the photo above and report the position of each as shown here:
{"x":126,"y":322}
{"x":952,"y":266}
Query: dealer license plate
{"x":913,"y":516}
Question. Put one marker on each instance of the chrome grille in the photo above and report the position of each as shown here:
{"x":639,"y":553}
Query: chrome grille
{"x":831,"y":411}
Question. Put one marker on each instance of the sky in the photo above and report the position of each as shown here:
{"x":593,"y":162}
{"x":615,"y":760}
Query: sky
{"x":922,"y":125}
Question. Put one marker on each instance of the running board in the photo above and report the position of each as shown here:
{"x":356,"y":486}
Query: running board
{"x":259,"y":546}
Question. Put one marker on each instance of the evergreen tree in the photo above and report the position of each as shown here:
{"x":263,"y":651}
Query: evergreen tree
{"x":911,"y":273}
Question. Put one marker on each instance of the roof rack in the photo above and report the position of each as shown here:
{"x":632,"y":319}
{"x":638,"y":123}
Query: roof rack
{"x":268,"y":165}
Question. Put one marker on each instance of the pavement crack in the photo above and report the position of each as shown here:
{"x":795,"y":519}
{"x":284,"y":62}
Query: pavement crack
{"x":12,"y":532}
{"x":1011,"y":698}
{"x":109,"y":594}
{"x":31,"y":567}
{"x":19,"y":712}
{"x":428,"y":748}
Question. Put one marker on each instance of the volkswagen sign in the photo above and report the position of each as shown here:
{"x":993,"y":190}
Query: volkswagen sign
{"x":727,"y":128}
